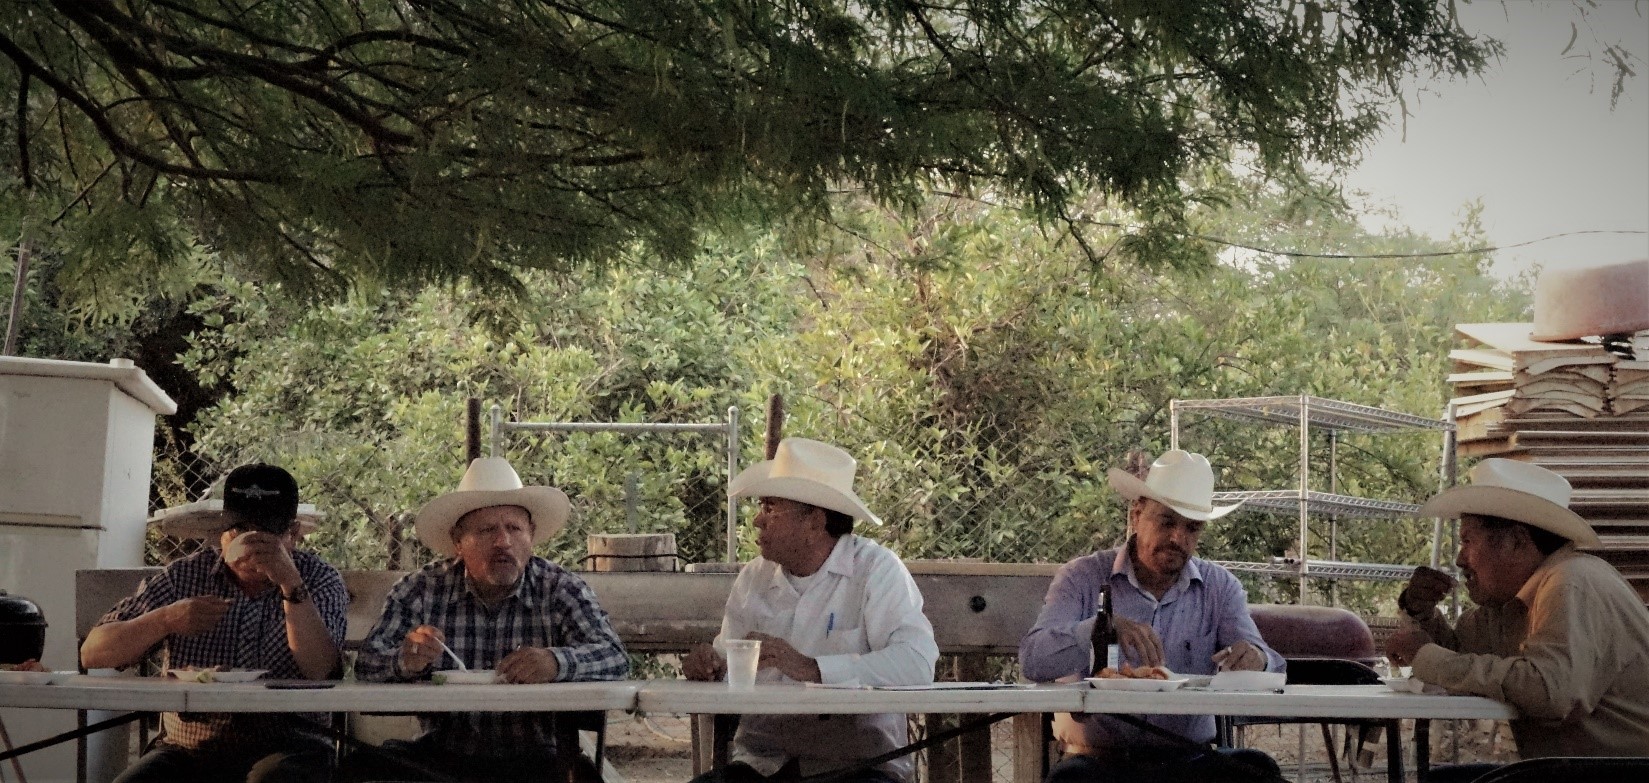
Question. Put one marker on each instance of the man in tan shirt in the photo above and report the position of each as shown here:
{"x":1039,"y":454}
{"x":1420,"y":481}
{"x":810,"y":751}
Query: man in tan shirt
{"x":1556,"y":633}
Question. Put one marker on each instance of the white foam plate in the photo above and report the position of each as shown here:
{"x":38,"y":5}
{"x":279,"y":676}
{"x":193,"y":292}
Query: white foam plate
{"x":1247,"y":681}
{"x":25,"y":678}
{"x":470,"y":677}
{"x":206,"y":675}
{"x":1135,"y":684}
{"x":1411,"y":685}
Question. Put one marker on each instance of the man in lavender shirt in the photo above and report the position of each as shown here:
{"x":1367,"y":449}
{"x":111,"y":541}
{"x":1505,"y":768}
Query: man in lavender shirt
{"x":1170,"y":609}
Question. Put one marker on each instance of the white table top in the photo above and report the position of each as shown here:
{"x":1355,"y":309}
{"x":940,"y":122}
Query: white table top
{"x":146,"y":694}
{"x":156,"y":694}
{"x":1300,"y":701}
{"x":416,"y":697}
{"x":777,"y":699}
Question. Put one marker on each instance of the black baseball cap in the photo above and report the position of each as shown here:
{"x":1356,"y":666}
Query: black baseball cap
{"x":260,"y":497}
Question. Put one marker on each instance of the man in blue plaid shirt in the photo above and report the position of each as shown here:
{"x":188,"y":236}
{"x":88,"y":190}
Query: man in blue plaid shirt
{"x":498,"y":607}
{"x":256,"y":603}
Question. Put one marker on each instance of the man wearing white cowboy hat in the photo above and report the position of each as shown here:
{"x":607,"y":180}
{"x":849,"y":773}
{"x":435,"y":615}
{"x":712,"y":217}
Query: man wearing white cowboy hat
{"x":498,"y":607}
{"x":827,"y":606}
{"x":1557,"y":633}
{"x":1170,"y":608}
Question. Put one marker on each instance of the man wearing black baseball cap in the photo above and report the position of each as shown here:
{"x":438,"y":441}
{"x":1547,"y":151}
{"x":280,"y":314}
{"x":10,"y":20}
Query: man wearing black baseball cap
{"x":198,"y":612}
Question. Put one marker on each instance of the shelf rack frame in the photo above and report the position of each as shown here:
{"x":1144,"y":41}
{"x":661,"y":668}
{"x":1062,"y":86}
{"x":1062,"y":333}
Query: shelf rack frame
{"x":1335,"y":417}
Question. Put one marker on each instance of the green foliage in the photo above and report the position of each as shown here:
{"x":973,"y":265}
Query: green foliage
{"x":984,"y":371}
{"x":334,"y":147}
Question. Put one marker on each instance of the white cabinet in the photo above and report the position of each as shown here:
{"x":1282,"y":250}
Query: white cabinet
{"x":1331,"y":418}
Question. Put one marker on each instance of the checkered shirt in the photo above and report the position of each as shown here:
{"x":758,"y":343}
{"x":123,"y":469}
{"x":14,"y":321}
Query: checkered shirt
{"x":252,"y":635}
{"x":550,"y":607}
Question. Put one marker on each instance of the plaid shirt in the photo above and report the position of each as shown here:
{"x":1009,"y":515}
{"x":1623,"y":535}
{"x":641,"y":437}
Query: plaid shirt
{"x":550,"y":607}
{"x":251,"y":636}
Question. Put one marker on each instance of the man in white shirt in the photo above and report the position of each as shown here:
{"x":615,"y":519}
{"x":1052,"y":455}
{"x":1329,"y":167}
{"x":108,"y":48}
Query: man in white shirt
{"x":828,"y":606}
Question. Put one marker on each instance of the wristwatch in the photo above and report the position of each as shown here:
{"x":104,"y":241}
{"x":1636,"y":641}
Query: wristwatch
{"x":298,"y":595}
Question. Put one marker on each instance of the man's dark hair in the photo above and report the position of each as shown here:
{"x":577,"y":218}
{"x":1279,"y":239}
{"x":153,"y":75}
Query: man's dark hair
{"x":1544,"y":540}
{"x":837,"y":524}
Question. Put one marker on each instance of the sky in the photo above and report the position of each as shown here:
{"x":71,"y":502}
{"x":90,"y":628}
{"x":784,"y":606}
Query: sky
{"x":1533,"y":137}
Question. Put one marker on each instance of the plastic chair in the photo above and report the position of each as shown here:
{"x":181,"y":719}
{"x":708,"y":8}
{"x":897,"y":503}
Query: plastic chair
{"x":1598,"y":769}
{"x":1323,"y":645}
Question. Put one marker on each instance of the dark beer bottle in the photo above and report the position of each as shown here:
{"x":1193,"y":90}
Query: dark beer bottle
{"x":1106,"y":652}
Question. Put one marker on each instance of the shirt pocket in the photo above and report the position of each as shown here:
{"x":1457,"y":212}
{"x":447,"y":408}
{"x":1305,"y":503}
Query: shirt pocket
{"x":845,"y":641}
{"x":1192,"y":656}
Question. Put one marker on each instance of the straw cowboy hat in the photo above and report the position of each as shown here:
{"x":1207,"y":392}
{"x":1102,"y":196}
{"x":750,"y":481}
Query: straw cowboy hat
{"x":490,"y":481}
{"x":1517,"y":491}
{"x":1179,"y":480}
{"x":805,"y":471}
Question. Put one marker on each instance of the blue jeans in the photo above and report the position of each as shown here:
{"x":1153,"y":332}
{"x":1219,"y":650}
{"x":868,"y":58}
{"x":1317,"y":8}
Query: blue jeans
{"x":1169,"y":765}
{"x":302,"y":760}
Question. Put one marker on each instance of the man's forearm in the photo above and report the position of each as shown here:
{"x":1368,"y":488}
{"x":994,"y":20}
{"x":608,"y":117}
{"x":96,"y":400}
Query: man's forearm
{"x":310,"y":641}
{"x":121,"y":643}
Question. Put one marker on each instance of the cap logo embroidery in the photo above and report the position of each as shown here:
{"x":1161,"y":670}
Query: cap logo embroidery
{"x":255,"y":492}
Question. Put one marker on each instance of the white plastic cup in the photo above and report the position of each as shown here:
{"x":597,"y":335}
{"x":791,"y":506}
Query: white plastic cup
{"x":742,"y":658}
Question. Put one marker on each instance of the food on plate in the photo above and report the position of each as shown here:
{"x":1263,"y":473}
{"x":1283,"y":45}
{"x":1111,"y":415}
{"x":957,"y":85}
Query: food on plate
{"x":208,"y":674}
{"x":30,"y":665}
{"x":1126,"y":672}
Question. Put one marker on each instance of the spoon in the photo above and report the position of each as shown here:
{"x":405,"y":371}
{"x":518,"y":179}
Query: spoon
{"x":455,"y":658}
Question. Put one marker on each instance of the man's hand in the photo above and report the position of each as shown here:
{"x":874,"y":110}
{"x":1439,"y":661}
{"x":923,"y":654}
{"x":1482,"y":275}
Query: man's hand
{"x":704,"y":664}
{"x":194,"y":616}
{"x":421,"y":648}
{"x":1240,"y":657}
{"x":1425,"y":589}
{"x":1138,"y":642}
{"x":778,"y":654}
{"x":529,"y":665}
{"x":1405,"y":643}
{"x":268,"y":554}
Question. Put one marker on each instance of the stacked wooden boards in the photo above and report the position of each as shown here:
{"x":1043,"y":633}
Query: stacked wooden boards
{"x":1575,"y":408}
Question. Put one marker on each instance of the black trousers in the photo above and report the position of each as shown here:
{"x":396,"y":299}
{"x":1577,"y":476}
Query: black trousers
{"x":1169,"y":765}
{"x":740,"y":772}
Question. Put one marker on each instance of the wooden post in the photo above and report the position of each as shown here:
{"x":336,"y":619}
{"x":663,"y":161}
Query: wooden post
{"x":974,"y":748}
{"x":1032,"y":742}
{"x":632,"y":552}
{"x":472,"y":430}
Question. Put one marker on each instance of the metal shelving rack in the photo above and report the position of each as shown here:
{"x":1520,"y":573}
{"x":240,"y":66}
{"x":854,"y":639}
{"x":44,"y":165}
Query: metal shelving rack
{"x":1335,"y":417}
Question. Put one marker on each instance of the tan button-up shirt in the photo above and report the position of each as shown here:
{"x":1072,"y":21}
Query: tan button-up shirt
{"x":1570,"y":652}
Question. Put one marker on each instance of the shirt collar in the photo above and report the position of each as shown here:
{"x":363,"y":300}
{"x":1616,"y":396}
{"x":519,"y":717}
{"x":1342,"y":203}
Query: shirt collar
{"x":840,"y":562}
{"x":1124,"y":565}
{"x":1526,"y":593}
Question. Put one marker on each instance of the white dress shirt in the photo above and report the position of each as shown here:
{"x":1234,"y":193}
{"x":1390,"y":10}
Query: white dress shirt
{"x":861,"y":619}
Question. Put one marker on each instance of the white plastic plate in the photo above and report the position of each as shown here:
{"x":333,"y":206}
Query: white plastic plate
{"x":1133,"y":684}
{"x":207,"y":675}
{"x":25,"y":678}
{"x":470,"y":677}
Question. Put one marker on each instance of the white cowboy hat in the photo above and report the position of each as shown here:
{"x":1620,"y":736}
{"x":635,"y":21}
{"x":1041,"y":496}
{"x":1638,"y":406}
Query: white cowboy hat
{"x":490,"y":481}
{"x":1179,"y":480}
{"x":1517,"y":491}
{"x":805,"y":471}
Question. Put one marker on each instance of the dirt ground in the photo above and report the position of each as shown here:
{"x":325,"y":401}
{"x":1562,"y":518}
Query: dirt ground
{"x":655,"y":749}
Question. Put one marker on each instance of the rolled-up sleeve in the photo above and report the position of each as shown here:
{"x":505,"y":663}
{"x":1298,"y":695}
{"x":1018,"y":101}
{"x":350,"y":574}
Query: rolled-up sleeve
{"x":1059,"y":645}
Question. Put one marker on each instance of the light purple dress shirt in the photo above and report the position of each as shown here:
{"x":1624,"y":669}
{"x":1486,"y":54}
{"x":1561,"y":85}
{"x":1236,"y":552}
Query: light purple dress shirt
{"x":1205,"y":611}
